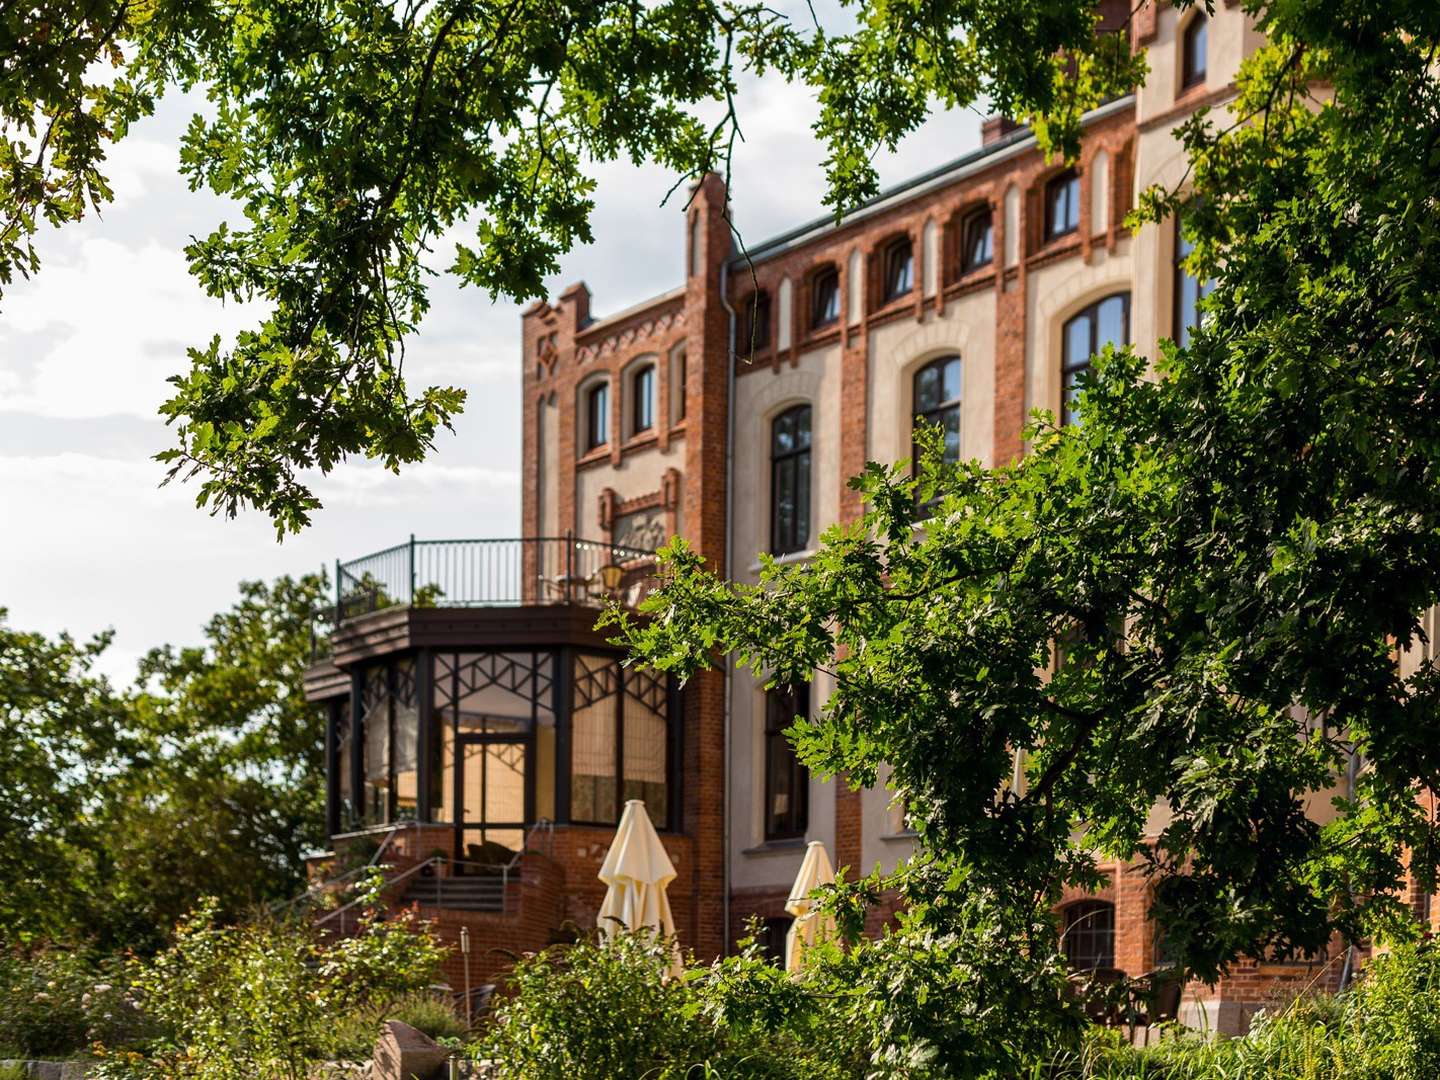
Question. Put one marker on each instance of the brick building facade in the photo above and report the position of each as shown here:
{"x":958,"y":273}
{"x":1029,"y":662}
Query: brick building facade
{"x":733,"y":409}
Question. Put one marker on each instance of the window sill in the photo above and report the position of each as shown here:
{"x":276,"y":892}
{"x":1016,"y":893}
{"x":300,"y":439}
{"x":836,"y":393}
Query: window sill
{"x":593,"y":455}
{"x":906,"y":835}
{"x":790,"y":558}
{"x":640,"y":440}
{"x":789,"y":846}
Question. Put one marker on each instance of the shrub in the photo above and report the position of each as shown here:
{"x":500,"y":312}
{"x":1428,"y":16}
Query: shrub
{"x":354,"y":1035}
{"x":57,"y":1003}
{"x":259,"y":1001}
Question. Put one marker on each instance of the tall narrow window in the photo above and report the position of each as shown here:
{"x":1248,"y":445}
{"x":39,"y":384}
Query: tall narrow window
{"x":642,"y":399}
{"x":1104,"y":323}
{"x":1062,"y":205}
{"x":790,"y":481}
{"x":756,"y":335}
{"x":825,"y":298}
{"x":977,"y":242}
{"x":1090,"y":935}
{"x":1195,"y":45}
{"x":899,"y":268}
{"x":787,"y":782}
{"x":597,"y":415}
{"x":937,"y":401}
{"x":678,"y":373}
{"x":1188,"y":291}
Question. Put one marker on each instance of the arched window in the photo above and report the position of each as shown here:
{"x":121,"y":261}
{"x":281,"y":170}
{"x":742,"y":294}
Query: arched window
{"x":790,"y":481}
{"x":787,"y":781}
{"x":977,"y":246}
{"x":642,"y":399}
{"x":1194,"y":46}
{"x":1106,"y":322}
{"x":825,"y":297}
{"x":1062,"y":205}
{"x":937,"y":401}
{"x":899,"y":268}
{"x":1090,"y":935}
{"x":597,"y":415}
{"x":1188,"y":290}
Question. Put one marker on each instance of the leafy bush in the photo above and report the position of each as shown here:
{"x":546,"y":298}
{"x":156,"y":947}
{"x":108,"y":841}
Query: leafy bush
{"x":353,"y":1036}
{"x":1386,"y":1028}
{"x":259,"y":1001}
{"x":57,"y":1003}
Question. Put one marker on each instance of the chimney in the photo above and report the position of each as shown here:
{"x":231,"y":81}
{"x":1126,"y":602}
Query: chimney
{"x":995,"y":128}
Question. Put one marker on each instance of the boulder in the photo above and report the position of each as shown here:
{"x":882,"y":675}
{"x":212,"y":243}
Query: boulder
{"x":406,"y":1053}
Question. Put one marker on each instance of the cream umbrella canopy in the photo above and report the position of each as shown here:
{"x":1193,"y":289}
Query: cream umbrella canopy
{"x":637,"y":872}
{"x":811,"y":925}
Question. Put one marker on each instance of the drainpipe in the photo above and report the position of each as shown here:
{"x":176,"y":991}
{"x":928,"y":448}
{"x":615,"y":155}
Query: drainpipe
{"x":729,"y":565}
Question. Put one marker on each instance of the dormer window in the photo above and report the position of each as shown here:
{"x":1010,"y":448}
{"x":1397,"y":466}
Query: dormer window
{"x":597,"y":416}
{"x":825,"y":298}
{"x":642,"y":400}
{"x":1062,"y":205}
{"x":899,"y":268}
{"x":977,"y":241}
{"x":1194,"y":49}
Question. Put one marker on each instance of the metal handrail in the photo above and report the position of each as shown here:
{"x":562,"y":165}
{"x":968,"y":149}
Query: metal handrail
{"x":484,"y":572}
{"x":504,"y":868}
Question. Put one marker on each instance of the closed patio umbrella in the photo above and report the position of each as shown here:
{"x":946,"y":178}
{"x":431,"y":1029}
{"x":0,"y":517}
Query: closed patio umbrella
{"x":637,"y":872}
{"x":811,"y":925}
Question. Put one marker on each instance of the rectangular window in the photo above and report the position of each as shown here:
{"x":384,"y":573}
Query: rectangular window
{"x":597,"y":416}
{"x":642,"y":389}
{"x":790,"y":481}
{"x":594,"y":747}
{"x":375,"y":745}
{"x":405,"y":753}
{"x":1062,"y":205}
{"x":344,"y":741}
{"x":787,"y":781}
{"x":1188,"y":291}
{"x":825,"y":298}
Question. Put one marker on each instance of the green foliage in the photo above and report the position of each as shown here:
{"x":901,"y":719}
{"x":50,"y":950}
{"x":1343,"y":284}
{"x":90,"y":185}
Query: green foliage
{"x":353,"y":1034}
{"x":1193,"y":599}
{"x":914,"y":1004}
{"x":58,"y":1003}
{"x":125,"y":807}
{"x":359,"y":135}
{"x":1387,"y":1026}
{"x":259,"y":1000}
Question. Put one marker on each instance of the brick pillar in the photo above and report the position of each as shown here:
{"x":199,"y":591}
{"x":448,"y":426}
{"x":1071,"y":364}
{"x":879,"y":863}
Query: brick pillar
{"x":1010,"y":315}
{"x":706,"y":436}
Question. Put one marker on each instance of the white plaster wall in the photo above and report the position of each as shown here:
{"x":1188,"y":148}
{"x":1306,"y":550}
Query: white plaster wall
{"x":967,"y":327}
{"x":640,"y":472}
{"x":1231,"y":37}
{"x":883,"y":842}
{"x":549,"y":495}
{"x":759,"y":397}
{"x":1058,"y":291}
{"x":753,"y":864}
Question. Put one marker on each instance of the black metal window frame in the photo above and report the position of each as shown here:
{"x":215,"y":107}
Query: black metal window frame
{"x":624,"y":679}
{"x":790,"y":467}
{"x":1189,"y":291}
{"x":825,"y":297}
{"x":899,"y":268}
{"x":1072,"y":367}
{"x":557,"y":687}
{"x":375,"y":690}
{"x":1090,"y":935}
{"x":1062,"y":205}
{"x":782,"y":768}
{"x":1194,"y":51}
{"x":937,"y":412}
{"x":642,"y":399}
{"x":757,"y":323}
{"x":597,"y":415}
{"x":977,"y":240}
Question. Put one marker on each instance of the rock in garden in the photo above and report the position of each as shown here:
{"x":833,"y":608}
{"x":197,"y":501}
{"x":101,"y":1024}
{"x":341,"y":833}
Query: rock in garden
{"x":406,"y":1053}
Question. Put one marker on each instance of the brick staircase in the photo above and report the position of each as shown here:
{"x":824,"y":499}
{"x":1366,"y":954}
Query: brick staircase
{"x":463,"y":892}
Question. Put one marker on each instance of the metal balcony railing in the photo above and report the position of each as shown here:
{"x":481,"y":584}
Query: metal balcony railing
{"x":493,"y":573}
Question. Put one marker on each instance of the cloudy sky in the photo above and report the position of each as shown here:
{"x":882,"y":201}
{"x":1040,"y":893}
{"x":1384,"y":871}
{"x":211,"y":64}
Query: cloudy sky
{"x":88,"y":538}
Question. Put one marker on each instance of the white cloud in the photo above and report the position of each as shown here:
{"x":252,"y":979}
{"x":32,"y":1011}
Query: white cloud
{"x":103,"y":330}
